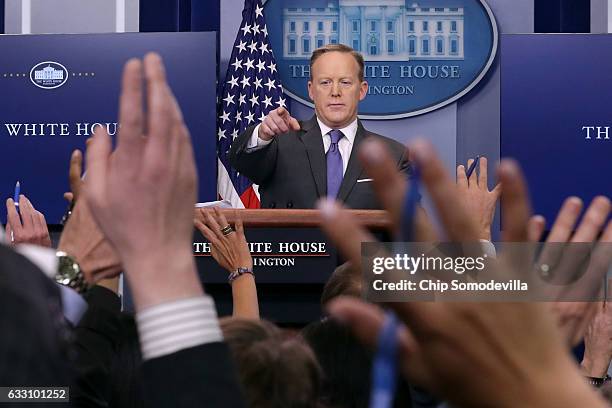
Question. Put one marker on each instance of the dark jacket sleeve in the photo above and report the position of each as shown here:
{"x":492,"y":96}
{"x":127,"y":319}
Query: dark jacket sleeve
{"x":201,"y":376}
{"x":257,"y":165}
{"x":96,"y":339}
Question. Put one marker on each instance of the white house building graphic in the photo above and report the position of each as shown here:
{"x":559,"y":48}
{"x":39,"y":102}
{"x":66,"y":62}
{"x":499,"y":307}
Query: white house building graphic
{"x":49,"y":73}
{"x":383,"y":30}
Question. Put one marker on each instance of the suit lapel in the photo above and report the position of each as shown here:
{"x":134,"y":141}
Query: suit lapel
{"x":354,"y":169}
{"x":313,"y":141}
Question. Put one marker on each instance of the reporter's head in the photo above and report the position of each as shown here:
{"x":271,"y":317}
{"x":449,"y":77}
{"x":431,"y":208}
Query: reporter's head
{"x":274,"y":370}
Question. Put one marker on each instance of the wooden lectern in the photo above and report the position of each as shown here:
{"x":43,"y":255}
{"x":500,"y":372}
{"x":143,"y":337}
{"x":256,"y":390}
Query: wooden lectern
{"x":292,"y":259}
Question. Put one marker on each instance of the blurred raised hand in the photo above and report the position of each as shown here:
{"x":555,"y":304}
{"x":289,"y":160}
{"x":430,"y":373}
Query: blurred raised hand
{"x":142,"y":194}
{"x":470,"y":353}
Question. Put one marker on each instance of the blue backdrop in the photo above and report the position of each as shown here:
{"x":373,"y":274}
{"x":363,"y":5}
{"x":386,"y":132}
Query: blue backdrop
{"x":552,"y":86}
{"x":94,"y":63}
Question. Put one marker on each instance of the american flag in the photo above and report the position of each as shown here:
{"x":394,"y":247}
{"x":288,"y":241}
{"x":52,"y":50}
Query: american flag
{"x":251,"y":90}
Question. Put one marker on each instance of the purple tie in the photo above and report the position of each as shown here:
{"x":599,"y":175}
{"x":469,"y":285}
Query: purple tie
{"x":334,"y":164}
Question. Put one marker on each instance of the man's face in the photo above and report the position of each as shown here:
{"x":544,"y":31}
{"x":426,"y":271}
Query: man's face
{"x":335,"y":88}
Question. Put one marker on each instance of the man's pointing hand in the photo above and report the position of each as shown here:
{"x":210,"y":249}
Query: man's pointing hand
{"x":277,"y":122}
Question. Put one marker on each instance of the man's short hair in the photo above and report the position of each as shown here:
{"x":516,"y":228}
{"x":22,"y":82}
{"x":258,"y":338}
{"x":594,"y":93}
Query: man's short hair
{"x":338,"y":48}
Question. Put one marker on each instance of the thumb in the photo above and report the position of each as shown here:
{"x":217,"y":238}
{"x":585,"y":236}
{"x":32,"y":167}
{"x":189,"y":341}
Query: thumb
{"x":294,"y":124}
{"x":282,"y":112}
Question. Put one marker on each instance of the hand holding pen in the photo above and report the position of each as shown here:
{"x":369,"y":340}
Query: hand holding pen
{"x":28,"y":226}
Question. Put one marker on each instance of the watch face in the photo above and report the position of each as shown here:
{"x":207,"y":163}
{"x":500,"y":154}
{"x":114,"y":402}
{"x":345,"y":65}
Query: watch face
{"x":69,"y":273}
{"x":68,"y":269}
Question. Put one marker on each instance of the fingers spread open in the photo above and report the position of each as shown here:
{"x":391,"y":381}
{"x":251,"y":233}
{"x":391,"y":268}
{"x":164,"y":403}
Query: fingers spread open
{"x":593,"y":220}
{"x":565,"y":221}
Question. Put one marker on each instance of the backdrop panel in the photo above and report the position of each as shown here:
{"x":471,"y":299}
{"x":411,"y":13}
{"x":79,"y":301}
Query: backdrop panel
{"x":56,"y":88}
{"x":556,"y":115}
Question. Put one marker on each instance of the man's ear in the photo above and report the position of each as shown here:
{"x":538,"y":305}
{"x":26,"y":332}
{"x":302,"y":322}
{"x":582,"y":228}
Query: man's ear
{"x":363,"y":91}
{"x":310,"y":90}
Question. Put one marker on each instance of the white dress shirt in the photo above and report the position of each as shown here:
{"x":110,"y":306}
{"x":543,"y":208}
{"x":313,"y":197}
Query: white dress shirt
{"x":345,"y":145}
{"x":173,"y":326}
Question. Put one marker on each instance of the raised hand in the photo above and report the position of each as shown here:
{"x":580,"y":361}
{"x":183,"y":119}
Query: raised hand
{"x":30,"y":228}
{"x":142,"y":195}
{"x":230,"y":250}
{"x":82,"y":238}
{"x":444,"y":346}
{"x":475,"y":195}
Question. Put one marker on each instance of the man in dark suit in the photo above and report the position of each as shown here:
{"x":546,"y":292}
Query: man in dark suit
{"x":296,"y":163}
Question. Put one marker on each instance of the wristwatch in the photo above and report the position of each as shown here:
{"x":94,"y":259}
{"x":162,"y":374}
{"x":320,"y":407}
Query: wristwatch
{"x":69,"y":273}
{"x":238,"y":273}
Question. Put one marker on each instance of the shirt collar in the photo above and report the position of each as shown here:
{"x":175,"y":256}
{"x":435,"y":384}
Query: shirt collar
{"x":348,"y":131}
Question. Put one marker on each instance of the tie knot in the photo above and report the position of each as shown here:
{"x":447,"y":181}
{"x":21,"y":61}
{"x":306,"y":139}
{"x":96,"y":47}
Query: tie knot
{"x":336,"y":135}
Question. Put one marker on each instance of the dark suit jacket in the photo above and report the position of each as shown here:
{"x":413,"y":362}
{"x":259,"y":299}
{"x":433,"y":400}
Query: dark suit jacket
{"x":202,"y":376}
{"x":35,"y":350}
{"x":194,"y":377}
{"x":292,"y":170}
{"x":34,"y":345}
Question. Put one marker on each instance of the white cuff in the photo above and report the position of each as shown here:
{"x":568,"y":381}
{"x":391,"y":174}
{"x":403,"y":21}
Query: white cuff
{"x":255,"y":142}
{"x":170,"y":327}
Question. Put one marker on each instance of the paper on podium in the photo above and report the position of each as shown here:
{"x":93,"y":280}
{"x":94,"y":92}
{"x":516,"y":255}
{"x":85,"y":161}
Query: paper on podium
{"x":211,"y":204}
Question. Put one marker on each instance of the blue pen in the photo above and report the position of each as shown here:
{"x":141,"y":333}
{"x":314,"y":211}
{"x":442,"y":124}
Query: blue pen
{"x":16,"y":196}
{"x":470,"y":170}
{"x":384,"y":365}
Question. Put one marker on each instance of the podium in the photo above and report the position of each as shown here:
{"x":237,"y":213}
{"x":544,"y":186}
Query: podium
{"x":292,"y":260}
